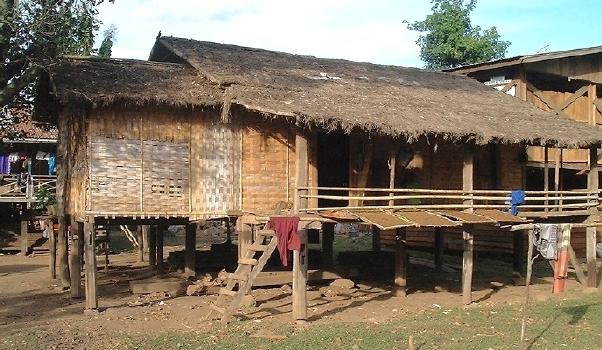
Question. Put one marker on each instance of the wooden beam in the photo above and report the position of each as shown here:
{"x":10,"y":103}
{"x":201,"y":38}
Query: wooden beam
{"x":591,"y":99}
{"x":75,"y":256}
{"x":190,"y":250}
{"x":160,"y":249}
{"x":90,"y":252}
{"x":140,"y":238}
{"x":574,"y":97}
{"x":439,"y":249}
{"x":468,"y":239}
{"x":300,"y":256}
{"x":152,"y":246}
{"x":392,"y":161}
{"x":546,"y":172}
{"x":327,"y":243}
{"x":401,"y":263}
{"x":591,"y":232}
{"x":63,"y":253}
{"x":522,"y":83}
{"x":52,"y":248}
{"x":300,"y":280}
{"x":24,"y":233}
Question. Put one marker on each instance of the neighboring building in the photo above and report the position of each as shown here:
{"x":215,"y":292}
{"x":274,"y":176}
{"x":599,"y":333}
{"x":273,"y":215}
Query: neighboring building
{"x":568,"y":83}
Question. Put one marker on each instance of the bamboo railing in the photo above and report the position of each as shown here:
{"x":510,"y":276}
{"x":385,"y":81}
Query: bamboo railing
{"x":14,"y":190}
{"x":566,"y":202}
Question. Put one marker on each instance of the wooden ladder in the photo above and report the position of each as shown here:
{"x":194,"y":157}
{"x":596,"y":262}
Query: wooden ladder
{"x":249,"y":267}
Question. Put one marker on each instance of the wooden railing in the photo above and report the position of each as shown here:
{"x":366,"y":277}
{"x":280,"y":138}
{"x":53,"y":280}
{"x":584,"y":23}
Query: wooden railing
{"x":574,"y":202}
{"x":12,"y":189}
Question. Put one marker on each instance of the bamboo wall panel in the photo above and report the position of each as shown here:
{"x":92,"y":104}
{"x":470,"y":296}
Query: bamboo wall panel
{"x":115,"y":172}
{"x":166,"y":177}
{"x":266,"y":163}
{"x":215,"y":168}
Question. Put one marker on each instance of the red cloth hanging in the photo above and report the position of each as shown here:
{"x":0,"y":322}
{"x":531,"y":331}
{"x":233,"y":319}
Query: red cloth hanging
{"x":288,"y":238}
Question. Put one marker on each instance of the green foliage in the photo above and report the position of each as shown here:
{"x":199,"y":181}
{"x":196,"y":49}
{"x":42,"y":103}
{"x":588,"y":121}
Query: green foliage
{"x":108,"y":40}
{"x":34,"y":34}
{"x":450,"y":40}
{"x":44,"y":198}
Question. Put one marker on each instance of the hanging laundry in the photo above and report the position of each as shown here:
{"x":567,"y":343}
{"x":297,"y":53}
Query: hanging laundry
{"x":13,"y":157}
{"x":517,"y":197}
{"x":52,"y":164}
{"x":4,"y":164}
{"x":288,"y":237}
{"x":42,"y":155}
{"x":546,"y":242}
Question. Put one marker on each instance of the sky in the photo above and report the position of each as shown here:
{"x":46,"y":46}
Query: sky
{"x":358,"y":30}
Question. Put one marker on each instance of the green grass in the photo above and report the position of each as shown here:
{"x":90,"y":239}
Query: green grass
{"x":572,"y":324}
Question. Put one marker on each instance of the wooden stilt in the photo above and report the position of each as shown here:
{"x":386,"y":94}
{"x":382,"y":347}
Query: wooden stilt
{"x":468,"y":238}
{"x":300,"y":257}
{"x":518,"y":251}
{"x":140,"y":237}
{"x":401,"y":263}
{"x":152,"y":246}
{"x":145,"y":241}
{"x":52,"y":248}
{"x":90,"y":251}
{"x":375,"y":239}
{"x":63,"y":253}
{"x":160,"y":263}
{"x":591,"y":232}
{"x":467,"y":266}
{"x":245,"y":238}
{"x":439,"y":249}
{"x":300,"y":279}
{"x":24,"y":233}
{"x":327,"y":243}
{"x":190,"y":250}
{"x":546,"y":174}
{"x":75,"y":259}
{"x":107,"y":250}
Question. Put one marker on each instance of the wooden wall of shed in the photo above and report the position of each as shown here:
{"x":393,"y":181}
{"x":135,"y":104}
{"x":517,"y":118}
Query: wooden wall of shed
{"x":72,"y":164}
{"x":578,"y":110}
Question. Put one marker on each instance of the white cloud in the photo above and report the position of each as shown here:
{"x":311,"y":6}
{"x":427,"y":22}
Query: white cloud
{"x":351,"y":29}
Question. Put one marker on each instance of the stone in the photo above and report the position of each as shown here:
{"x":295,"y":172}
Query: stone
{"x":343,"y":283}
{"x":195,"y":289}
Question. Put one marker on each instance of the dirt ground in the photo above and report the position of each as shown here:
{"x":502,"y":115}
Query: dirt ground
{"x":35,"y":313}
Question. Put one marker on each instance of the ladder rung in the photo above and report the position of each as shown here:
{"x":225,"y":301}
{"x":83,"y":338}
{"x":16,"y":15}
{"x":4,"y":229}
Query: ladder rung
{"x":221,"y":310}
{"x":236,"y":277}
{"x":247,"y":261}
{"x":258,"y":247}
{"x":228,"y":292}
{"x":267,"y":233}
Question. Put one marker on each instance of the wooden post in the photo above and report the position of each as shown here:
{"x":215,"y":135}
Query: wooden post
{"x":63,"y":253}
{"x":592,"y":95}
{"x":190,"y":250}
{"x":591,"y":232}
{"x":467,"y":259}
{"x":327,"y":242}
{"x":521,"y":91}
{"x":523,"y":327}
{"x":546,"y":174}
{"x":401,"y":263}
{"x":24,"y":233}
{"x":90,"y":251}
{"x":300,"y":280}
{"x":245,"y":237}
{"x":140,"y":234}
{"x":392,"y":161}
{"x":518,"y":249}
{"x":152,"y":246}
{"x":107,"y":250}
{"x":160,"y":235}
{"x":52,"y":248}
{"x":375,"y":239}
{"x":439,"y":249}
{"x":300,"y":257}
{"x":75,"y":259}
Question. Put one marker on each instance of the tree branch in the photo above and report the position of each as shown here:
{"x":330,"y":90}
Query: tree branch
{"x":8,"y":93}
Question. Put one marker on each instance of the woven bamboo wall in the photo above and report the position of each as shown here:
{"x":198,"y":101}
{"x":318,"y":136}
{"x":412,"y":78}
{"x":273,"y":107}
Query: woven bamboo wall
{"x":216,"y":164}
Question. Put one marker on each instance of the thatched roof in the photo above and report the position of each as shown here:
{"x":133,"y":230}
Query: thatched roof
{"x":105,"y":81}
{"x":331,"y":93}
